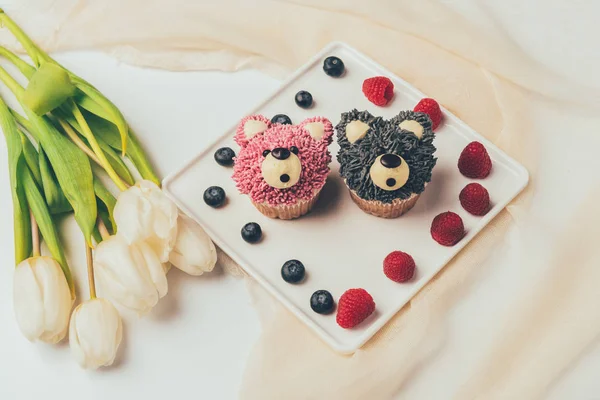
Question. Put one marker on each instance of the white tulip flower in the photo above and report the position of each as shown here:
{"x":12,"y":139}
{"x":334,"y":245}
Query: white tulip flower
{"x":130,"y":274}
{"x":194,"y":252}
{"x":143,"y":213}
{"x":95,"y":333}
{"x":42,"y":299}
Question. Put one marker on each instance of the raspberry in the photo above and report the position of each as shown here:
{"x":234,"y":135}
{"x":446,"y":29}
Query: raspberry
{"x":474,"y":161}
{"x":431,"y":108}
{"x":399,"y":266}
{"x":447,"y":228}
{"x":475,"y":199}
{"x":354,"y":307}
{"x":379,"y":90}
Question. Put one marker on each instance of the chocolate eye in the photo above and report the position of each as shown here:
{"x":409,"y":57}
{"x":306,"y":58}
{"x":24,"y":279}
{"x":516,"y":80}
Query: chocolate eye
{"x":266,"y":153}
{"x":294,"y":150}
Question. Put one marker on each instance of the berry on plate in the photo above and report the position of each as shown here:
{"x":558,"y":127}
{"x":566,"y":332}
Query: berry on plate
{"x":281,"y":119}
{"x":354,"y":307}
{"x":292,"y":271}
{"x":322,"y":302}
{"x":303,"y":99}
{"x":333,"y":66}
{"x":251,"y":232}
{"x":475,"y":199}
{"x":431,"y":108}
{"x":379,"y":90}
{"x":399,"y":266}
{"x":447,"y":228}
{"x":474,"y":161}
{"x":214,"y":196}
{"x":224,"y":156}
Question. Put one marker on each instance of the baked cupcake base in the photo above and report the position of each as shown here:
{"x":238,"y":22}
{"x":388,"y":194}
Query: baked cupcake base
{"x":385,"y":210}
{"x":287,"y":212}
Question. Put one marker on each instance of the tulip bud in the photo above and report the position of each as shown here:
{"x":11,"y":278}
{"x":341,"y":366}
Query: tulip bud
{"x":49,"y":87}
{"x":95,"y":333}
{"x":131,"y":275}
{"x":194,"y":252}
{"x":42,"y":299}
{"x":144,"y":213}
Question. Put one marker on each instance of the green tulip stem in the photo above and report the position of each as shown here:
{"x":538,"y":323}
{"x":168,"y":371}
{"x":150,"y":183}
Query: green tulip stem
{"x":90,"y":271}
{"x":25,"y":68}
{"x":89,"y":135}
{"x":78,"y":142}
{"x":12,"y":84}
{"x":34,"y":52}
{"x":35,"y":235}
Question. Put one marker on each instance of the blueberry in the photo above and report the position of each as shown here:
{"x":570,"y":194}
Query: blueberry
{"x":333,"y":66}
{"x":292,"y":271}
{"x":251,"y":232}
{"x":224,"y":156}
{"x":322,"y":302}
{"x":214,"y":196}
{"x":281,"y":119}
{"x":303,"y":99}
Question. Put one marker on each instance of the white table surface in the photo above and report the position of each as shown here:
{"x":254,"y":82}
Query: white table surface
{"x":196,"y":342}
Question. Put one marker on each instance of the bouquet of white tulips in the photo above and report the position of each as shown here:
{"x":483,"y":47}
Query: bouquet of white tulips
{"x":65,"y":126}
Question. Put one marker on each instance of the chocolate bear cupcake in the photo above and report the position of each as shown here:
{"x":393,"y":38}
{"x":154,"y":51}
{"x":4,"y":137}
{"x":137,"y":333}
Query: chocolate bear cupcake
{"x":386,"y":164}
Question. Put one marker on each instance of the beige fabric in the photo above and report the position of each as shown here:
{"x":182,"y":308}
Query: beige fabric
{"x":479,"y":72}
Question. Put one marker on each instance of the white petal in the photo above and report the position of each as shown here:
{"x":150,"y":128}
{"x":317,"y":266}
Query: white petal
{"x":122,"y":274}
{"x":95,"y":333}
{"x":133,"y":213}
{"x":156,"y":269}
{"x":57,"y":299}
{"x":194,"y":251}
{"x":131,"y":275}
{"x":42,"y":299}
{"x":28,"y":302}
{"x":144,"y":213}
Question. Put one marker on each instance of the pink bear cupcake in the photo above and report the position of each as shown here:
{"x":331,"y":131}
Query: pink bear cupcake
{"x":282,"y":168}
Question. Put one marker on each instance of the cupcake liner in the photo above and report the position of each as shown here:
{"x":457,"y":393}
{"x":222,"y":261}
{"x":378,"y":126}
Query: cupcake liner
{"x":285,"y":211}
{"x":385,"y":210}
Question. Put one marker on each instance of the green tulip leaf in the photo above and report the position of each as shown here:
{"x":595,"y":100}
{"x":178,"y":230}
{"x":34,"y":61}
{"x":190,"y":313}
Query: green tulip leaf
{"x":31,"y":158}
{"x":108,"y":132}
{"x":109,"y":110}
{"x":16,"y":163}
{"x":106,"y":203}
{"x":55,"y":198}
{"x":46,"y":224}
{"x":72,"y":169}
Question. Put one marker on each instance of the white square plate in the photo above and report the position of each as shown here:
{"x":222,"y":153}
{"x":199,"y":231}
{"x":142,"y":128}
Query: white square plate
{"x":341,"y":246}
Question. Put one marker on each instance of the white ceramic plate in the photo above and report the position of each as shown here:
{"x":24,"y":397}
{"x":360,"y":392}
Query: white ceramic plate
{"x":341,"y":246}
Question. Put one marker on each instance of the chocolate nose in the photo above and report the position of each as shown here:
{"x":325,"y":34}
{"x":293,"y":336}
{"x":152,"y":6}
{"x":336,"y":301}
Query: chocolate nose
{"x":389,"y":161}
{"x":280,"y":153}
{"x":285,"y":178}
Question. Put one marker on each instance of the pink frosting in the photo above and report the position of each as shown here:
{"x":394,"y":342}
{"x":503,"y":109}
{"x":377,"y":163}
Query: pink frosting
{"x":313,"y":154}
{"x":328,"y":127}
{"x":240,"y":136}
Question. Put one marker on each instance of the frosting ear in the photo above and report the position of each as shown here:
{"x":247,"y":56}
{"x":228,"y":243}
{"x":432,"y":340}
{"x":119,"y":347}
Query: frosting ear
{"x":356,"y":130}
{"x":416,"y":122}
{"x":319,"y":128}
{"x":354,"y":126}
{"x":250,"y":127}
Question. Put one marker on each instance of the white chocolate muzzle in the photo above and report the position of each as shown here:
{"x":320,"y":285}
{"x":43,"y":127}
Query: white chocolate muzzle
{"x":389,"y":178}
{"x":274,"y":171}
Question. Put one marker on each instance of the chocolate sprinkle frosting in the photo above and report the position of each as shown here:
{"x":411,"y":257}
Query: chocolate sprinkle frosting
{"x":385,"y":137}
